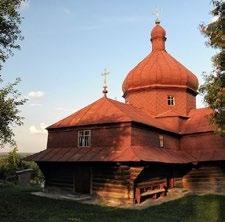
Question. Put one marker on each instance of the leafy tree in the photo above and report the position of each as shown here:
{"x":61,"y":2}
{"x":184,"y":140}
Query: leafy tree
{"x":9,"y":112}
{"x":214,"y":86}
{"x":10,"y":34}
{"x":13,"y":162}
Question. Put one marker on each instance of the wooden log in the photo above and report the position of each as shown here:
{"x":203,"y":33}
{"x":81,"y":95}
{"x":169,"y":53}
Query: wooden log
{"x":112,"y":194}
{"x":111,"y":190}
{"x":97,"y":184}
{"x":112,"y":181}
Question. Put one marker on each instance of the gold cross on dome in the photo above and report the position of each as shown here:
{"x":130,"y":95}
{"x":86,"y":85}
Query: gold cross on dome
{"x":105,"y":74}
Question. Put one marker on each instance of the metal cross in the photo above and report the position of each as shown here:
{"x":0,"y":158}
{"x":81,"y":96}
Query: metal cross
{"x":157,"y":13}
{"x":105,"y":74}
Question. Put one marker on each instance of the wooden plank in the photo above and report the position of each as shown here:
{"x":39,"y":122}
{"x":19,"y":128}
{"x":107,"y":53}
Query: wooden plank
{"x":97,"y":184}
{"x":150,"y":182}
{"x":151,"y":192}
{"x":112,"y":181}
{"x":117,"y":177}
{"x":110,"y":189}
{"x":205,"y":179}
{"x":112,"y":194}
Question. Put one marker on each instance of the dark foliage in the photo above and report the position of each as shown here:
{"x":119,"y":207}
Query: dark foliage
{"x":214,"y":86}
{"x":10,"y":100}
{"x":10,"y":33}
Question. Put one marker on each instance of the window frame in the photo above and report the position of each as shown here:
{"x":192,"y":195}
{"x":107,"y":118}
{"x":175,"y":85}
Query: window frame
{"x":171,"y":100}
{"x":161,"y":141}
{"x":84,"y":136}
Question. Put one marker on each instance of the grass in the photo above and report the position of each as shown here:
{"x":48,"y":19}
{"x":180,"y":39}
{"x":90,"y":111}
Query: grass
{"x":16,"y":204}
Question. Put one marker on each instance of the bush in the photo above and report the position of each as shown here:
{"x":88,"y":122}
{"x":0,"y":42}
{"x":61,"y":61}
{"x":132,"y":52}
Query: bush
{"x":13,"y":162}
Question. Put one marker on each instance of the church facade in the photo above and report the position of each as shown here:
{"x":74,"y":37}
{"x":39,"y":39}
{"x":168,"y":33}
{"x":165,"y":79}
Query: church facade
{"x":126,"y":152}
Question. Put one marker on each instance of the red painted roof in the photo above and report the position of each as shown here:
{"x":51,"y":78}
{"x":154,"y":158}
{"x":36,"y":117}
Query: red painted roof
{"x":111,"y":154}
{"x":198,"y":121}
{"x":212,"y":154}
{"x":106,"y":110}
{"x":159,"y":68}
{"x":170,"y":113}
{"x":158,"y":32}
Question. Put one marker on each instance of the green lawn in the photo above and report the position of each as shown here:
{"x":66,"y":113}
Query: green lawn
{"x":16,"y":204}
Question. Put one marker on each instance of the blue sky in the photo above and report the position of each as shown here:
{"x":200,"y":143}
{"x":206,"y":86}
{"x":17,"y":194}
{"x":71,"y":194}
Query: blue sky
{"x":68,"y":43}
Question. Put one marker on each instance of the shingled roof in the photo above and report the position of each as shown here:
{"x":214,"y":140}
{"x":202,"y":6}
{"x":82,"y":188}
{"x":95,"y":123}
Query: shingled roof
{"x":106,"y":110}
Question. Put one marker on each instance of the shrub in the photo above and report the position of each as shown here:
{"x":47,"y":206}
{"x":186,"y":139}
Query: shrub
{"x":13,"y":162}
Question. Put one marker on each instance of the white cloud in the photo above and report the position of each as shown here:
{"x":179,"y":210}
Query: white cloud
{"x":36,"y":94}
{"x":25,"y":5}
{"x":67,"y":11}
{"x":38,"y":130}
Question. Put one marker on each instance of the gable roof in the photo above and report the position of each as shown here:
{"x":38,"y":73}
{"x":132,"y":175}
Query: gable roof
{"x":106,"y":110}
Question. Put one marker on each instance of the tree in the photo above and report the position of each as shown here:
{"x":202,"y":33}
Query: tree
{"x":214,"y":86}
{"x":9,"y":112}
{"x":10,"y":33}
{"x":10,"y":100}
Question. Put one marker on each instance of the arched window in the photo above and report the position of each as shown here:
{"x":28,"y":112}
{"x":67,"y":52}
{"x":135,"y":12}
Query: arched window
{"x":171,"y":100}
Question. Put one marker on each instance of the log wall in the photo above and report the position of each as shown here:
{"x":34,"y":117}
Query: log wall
{"x":115,"y":184}
{"x":206,"y":178}
{"x":58,"y":177}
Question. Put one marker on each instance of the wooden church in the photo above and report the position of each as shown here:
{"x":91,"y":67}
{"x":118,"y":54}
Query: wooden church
{"x":126,"y":152}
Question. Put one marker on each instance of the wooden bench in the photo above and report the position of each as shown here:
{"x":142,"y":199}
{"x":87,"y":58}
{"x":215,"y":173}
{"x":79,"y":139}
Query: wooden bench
{"x":150,"y":188}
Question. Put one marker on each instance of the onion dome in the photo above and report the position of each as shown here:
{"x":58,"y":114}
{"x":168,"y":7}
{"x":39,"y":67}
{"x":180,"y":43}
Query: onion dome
{"x":159,"y":68}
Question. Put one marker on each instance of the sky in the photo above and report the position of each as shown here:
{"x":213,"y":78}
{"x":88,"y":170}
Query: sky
{"x":68,"y":43}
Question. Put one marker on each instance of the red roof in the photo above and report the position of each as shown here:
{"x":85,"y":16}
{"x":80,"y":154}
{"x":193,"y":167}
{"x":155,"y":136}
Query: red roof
{"x":158,"y":32}
{"x":106,"y":110}
{"x":212,"y":154}
{"x":110,"y":154}
{"x":159,"y":68}
{"x":198,"y":121}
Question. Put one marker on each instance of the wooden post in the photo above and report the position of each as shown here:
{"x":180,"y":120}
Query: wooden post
{"x":138,"y":195}
{"x":91,"y":180}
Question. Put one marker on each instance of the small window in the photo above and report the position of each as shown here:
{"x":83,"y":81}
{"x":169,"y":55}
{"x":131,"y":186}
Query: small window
{"x":84,"y":138}
{"x":171,"y":100}
{"x":161,"y":141}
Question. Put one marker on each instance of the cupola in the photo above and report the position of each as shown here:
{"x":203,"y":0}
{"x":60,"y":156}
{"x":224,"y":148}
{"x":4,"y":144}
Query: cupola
{"x":158,"y":71}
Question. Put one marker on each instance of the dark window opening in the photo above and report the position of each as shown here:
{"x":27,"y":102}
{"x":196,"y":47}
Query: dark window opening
{"x":84,"y":138}
{"x":161,"y":141}
{"x":171,"y":100}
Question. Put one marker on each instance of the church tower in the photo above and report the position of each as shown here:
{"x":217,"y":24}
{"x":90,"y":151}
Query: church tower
{"x":159,"y":84}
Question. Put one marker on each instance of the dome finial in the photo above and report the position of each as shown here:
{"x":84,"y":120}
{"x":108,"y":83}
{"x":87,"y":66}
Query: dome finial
{"x":105,"y":74}
{"x":158,"y":34}
{"x":156,"y":13}
{"x":157,"y":21}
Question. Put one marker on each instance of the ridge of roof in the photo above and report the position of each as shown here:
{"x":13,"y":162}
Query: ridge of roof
{"x":106,"y":110}
{"x":170,"y":113}
{"x":138,"y":115}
